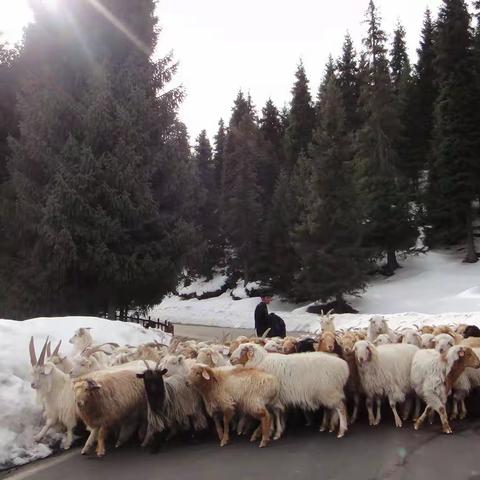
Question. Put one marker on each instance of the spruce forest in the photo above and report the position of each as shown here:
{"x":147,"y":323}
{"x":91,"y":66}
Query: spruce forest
{"x":106,"y":203}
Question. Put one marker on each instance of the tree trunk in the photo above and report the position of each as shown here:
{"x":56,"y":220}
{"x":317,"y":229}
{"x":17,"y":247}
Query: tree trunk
{"x":392,"y":263}
{"x":245,"y":273}
{"x":471,"y":255}
{"x":112,"y":311}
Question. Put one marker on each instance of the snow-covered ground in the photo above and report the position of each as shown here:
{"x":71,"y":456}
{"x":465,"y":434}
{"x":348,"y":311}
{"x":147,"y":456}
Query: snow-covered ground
{"x":433,"y":287}
{"x":20,"y":415}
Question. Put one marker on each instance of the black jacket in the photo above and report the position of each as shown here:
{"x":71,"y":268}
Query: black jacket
{"x":262,"y":322}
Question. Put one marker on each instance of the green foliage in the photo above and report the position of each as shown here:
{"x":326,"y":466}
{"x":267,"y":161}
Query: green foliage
{"x":301,"y":118}
{"x":328,"y":236}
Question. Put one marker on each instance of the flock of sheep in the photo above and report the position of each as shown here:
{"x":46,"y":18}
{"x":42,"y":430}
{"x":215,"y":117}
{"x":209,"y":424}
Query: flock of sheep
{"x":253,"y":383}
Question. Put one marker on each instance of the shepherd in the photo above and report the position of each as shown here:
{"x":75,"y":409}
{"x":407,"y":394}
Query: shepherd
{"x":265,"y":321}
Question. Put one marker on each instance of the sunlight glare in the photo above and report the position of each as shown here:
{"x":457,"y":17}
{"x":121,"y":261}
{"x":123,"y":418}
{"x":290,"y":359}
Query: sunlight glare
{"x":15,"y":15}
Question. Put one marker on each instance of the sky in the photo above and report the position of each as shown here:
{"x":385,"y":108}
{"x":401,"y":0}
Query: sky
{"x":254,"y":45}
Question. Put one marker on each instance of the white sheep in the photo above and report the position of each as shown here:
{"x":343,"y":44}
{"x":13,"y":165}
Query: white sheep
{"x":382,"y":339}
{"x":443,"y":343}
{"x":326,"y":322}
{"x":307,"y":380}
{"x":378,"y":325}
{"x":432,"y":377}
{"x":56,"y":395}
{"x":412,"y":337}
{"x":428,"y":340}
{"x":210,"y":357}
{"x":384,"y":372}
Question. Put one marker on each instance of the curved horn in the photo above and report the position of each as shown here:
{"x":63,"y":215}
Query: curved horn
{"x":265,"y":333}
{"x":57,"y":348}
{"x":157,"y":365}
{"x":33,"y":357}
{"x":41,"y":359}
{"x":49,"y":350}
{"x":146,"y":364}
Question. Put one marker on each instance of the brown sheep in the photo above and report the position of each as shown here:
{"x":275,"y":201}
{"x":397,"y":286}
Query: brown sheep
{"x":327,"y":342}
{"x":104,"y":400}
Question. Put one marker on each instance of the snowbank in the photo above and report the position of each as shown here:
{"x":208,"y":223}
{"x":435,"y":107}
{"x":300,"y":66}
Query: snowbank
{"x":201,"y":286}
{"x":20,"y":416}
{"x":431,"y":285}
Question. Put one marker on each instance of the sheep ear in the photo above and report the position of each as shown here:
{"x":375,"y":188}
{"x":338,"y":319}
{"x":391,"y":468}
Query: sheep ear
{"x":205,"y":375}
{"x":249,"y":353}
{"x":140,"y":375}
{"x":92,"y":385}
{"x":164,"y":371}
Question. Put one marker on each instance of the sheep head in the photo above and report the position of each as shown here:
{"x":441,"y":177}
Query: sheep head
{"x":364,"y":352}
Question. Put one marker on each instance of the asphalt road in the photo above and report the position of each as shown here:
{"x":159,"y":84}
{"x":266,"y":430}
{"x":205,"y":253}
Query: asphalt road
{"x":365,"y":454}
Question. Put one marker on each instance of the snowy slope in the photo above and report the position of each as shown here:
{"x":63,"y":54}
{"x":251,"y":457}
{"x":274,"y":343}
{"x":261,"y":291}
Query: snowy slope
{"x":20,"y":416}
{"x":428,"y":285}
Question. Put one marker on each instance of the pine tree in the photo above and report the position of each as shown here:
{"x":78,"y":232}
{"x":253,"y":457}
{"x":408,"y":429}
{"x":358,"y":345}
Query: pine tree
{"x":328,"y":75}
{"x":94,"y":230}
{"x":328,"y":237}
{"x":420,"y":106}
{"x":219,"y":149}
{"x":272,"y":157}
{"x":208,"y":257}
{"x":385,"y":206}
{"x":399,"y":61}
{"x":301,"y":118}
{"x":349,"y":83}
{"x":454,"y":175}
{"x":240,"y":198}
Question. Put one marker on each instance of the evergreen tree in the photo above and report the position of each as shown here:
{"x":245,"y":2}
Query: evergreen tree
{"x":399,"y":61}
{"x":329,"y":74}
{"x":272,"y":155}
{"x":420,"y":105}
{"x":240,"y":199}
{"x":328,"y":237}
{"x":93,"y":231}
{"x":220,"y":138}
{"x":209,"y":256}
{"x":301,"y":118}
{"x":349,"y":83}
{"x":385,"y":206}
{"x":454,"y":175}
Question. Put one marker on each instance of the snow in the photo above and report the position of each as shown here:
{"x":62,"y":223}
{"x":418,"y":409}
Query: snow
{"x":435,"y":287}
{"x":202,"y":285}
{"x":20,"y":415}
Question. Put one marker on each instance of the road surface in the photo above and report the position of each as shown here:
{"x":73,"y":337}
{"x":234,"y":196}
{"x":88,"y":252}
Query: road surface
{"x":366,"y":453}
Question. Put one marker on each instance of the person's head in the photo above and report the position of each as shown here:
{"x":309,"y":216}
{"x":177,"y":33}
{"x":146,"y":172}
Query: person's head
{"x":266,"y":299}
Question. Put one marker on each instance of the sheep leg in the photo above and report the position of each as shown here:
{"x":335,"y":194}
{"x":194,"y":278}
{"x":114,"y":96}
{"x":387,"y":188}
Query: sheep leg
{"x":333,"y":421}
{"x":443,"y":417}
{"x":67,"y":443}
{"x":378,"y":415}
{"x":126,"y":431}
{"x":149,"y":435}
{"x":454,"y":413}
{"x":342,"y":415}
{"x":218,"y":426}
{"x":308,"y":418}
{"x":463,"y":409}
{"x":406,"y":409}
{"x":92,"y":438}
{"x":44,"y":430}
{"x":278,"y":413}
{"x":369,"y":405}
{"x":325,"y":419}
{"x":398,"y":420}
{"x":422,"y":417}
{"x":227,"y":417}
{"x":431,"y":416}
{"x":102,"y":433}
{"x":265,"y":420}
{"x":416,"y":413}
{"x":241,"y":424}
{"x":356,"y":404}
